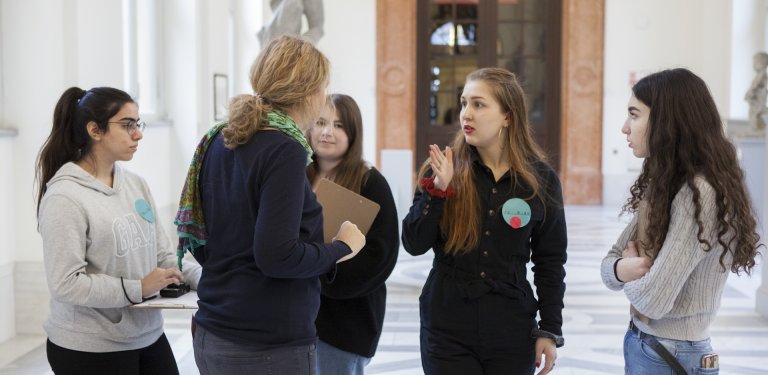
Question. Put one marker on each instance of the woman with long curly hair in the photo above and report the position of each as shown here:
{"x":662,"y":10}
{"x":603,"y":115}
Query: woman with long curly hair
{"x":673,"y":268}
{"x":487,"y":206}
{"x":250,"y":218}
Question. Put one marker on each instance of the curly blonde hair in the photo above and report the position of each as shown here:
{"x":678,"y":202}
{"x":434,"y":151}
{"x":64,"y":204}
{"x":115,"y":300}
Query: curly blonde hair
{"x":285,"y":76}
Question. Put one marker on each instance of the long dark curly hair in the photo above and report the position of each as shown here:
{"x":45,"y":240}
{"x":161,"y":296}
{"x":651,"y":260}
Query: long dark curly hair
{"x":686,"y":139}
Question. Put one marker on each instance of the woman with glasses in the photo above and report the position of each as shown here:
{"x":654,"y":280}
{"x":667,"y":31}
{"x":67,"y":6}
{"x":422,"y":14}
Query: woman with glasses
{"x":103,"y":245}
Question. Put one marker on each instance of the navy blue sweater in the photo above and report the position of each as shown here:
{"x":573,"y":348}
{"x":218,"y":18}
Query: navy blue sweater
{"x":264,"y":253}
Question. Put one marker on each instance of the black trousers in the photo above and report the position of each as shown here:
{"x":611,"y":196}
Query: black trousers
{"x":488,"y":334}
{"x":155,"y":359}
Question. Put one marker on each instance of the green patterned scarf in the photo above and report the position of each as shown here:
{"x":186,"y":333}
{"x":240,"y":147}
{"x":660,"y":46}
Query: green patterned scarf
{"x":189,"y":218}
{"x":285,"y":124}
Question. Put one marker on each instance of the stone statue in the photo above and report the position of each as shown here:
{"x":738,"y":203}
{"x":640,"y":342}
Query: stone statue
{"x":286,"y":19}
{"x":758,"y":93}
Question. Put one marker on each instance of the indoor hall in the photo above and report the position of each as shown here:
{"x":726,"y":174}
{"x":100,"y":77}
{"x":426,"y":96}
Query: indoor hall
{"x":595,"y":318}
{"x":185,"y":59}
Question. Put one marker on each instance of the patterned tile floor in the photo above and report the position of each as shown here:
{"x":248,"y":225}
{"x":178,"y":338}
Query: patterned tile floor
{"x":595,"y":318}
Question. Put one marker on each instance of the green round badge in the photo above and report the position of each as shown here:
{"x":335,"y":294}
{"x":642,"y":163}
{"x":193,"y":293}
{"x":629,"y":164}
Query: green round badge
{"x":516,"y":212}
{"x":142,"y":207}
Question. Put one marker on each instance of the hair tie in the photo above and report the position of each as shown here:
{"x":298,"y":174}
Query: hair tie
{"x":261,"y":99}
{"x":82,"y":98}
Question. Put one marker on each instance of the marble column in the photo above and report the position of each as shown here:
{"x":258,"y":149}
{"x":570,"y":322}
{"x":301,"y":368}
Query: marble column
{"x":395,"y":75}
{"x":581,"y":136}
{"x":7,"y":235}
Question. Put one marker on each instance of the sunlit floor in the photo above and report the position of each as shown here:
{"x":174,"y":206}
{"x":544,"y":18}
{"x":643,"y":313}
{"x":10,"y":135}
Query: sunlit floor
{"x":595,"y":318}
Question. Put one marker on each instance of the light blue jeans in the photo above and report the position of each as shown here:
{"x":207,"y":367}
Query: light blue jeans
{"x":334,"y":361}
{"x":641,"y":359}
{"x":216,"y":355}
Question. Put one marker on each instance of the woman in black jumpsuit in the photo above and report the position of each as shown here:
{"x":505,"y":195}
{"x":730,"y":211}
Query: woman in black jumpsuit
{"x":488,"y":205}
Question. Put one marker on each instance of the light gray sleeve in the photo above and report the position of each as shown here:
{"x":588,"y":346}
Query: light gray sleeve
{"x":606,"y":268}
{"x":192,"y":272}
{"x":166,"y":252}
{"x":63,"y":227}
{"x":654,"y":294}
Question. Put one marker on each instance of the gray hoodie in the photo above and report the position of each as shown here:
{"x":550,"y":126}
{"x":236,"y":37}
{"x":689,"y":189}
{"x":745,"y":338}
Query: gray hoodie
{"x":93,"y":235}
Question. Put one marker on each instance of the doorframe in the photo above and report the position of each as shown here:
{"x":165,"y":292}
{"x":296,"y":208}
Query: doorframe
{"x":581,"y":100}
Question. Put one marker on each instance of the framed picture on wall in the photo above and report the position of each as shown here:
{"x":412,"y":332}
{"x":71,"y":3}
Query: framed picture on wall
{"x":220,"y":96}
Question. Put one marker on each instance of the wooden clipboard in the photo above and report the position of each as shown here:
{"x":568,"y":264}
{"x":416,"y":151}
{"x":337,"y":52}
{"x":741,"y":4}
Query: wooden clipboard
{"x":340,"y":204}
{"x":187,"y":301}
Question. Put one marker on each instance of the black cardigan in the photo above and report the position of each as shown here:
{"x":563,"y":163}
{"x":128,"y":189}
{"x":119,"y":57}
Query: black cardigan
{"x":352,"y":305}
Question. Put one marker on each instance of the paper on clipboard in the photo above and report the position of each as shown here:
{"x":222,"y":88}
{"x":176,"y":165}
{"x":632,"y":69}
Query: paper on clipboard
{"x":187,"y":301}
{"x":341,"y":204}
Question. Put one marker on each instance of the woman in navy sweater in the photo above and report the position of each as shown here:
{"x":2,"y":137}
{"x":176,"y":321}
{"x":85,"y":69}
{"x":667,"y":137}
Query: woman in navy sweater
{"x":262,"y":247}
{"x":352,"y":305}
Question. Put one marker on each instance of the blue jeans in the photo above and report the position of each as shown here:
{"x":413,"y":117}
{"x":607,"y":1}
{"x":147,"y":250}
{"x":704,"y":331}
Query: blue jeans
{"x":334,"y":361}
{"x":215,"y":355}
{"x":641,"y":359}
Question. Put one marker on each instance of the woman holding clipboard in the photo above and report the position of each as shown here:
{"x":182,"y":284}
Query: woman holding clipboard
{"x":352,"y":305}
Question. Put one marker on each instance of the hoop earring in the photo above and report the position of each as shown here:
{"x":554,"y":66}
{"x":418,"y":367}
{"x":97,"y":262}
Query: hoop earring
{"x":503,"y":143}
{"x":500,"y":130}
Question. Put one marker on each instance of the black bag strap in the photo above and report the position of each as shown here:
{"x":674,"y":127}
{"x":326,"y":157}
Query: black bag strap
{"x":664,"y":353}
{"x":659,"y":349}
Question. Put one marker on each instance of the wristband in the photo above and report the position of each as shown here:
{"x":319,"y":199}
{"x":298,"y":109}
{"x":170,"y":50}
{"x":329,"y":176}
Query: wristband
{"x":615,"y":273}
{"x":126,"y":293}
{"x":429,"y":185}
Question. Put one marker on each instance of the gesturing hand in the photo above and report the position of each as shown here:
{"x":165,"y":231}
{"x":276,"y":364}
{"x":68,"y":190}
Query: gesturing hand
{"x":442,"y":166}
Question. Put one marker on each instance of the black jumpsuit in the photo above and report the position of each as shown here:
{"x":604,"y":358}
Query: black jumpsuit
{"x":478,"y":309}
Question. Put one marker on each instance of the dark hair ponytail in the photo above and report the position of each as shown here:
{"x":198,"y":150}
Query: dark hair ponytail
{"x":69,"y":139}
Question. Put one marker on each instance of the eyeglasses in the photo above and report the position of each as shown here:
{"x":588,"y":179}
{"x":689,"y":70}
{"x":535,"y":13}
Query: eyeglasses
{"x":130,"y":126}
